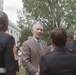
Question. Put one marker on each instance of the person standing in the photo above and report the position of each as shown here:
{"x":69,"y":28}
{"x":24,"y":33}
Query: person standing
{"x":33,"y":49}
{"x":59,"y":61}
{"x":71,"y":46}
{"x":8,"y":57}
{"x":19,"y":53}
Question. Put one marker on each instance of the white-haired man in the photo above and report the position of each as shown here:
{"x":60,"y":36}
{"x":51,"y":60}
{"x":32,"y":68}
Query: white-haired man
{"x":33,"y":49}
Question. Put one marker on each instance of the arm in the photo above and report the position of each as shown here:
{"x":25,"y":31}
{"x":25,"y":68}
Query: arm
{"x":26,"y":57}
{"x":38,"y":73}
{"x":11,"y":59}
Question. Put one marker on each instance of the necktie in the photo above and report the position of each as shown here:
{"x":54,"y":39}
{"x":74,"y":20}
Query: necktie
{"x":38,"y":42}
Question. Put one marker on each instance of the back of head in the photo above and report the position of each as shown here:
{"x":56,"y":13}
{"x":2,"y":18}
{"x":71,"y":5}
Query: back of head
{"x":3,"y":21}
{"x":59,"y":37}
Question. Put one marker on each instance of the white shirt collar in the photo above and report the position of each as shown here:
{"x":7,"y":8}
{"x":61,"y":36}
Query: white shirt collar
{"x":35,"y":39}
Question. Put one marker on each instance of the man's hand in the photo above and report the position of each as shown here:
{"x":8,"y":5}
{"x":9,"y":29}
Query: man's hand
{"x":37,"y":73}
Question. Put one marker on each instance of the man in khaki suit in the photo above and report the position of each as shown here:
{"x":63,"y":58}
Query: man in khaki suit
{"x":33,"y":49}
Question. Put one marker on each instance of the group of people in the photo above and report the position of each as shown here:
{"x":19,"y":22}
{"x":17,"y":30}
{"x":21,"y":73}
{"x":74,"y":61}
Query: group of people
{"x":36,"y":57}
{"x":61,"y":60}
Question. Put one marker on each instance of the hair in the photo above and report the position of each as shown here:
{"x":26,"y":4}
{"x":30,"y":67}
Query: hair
{"x":59,"y":37}
{"x":37,"y":23}
{"x":3,"y":21}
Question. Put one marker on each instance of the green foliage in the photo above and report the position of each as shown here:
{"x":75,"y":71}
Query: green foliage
{"x":52,"y":13}
{"x":22,"y":71}
{"x":70,"y":32}
{"x":25,"y":33}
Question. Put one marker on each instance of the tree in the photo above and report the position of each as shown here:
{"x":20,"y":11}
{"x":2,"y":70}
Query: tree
{"x":25,"y":33}
{"x":52,"y":13}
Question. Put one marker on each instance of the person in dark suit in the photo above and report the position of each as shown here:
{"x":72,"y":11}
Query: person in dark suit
{"x":71,"y":45}
{"x":33,"y":49}
{"x":59,"y":61}
{"x":8,"y":57}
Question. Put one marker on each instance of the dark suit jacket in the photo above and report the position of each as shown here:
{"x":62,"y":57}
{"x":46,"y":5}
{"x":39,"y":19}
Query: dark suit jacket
{"x":71,"y":46}
{"x":8,"y":58}
{"x":58,"y":62}
{"x":31,"y":54}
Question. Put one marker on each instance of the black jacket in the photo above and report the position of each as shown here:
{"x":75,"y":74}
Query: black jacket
{"x":58,"y":62}
{"x":71,"y":46}
{"x":8,"y":57}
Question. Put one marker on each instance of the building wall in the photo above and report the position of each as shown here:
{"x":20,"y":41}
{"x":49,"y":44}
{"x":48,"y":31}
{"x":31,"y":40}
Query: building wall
{"x":1,"y":5}
{"x":14,"y":31}
{"x":12,"y":28}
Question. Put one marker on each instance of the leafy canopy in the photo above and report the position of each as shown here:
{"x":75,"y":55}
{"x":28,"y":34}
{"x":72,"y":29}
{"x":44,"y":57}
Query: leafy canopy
{"x":52,"y":13}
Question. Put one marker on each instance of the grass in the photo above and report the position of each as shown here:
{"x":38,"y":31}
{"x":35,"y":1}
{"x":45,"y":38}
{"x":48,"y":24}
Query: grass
{"x":22,"y":71}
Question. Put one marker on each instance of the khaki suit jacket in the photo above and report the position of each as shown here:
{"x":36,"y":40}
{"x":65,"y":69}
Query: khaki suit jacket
{"x":31,"y":54}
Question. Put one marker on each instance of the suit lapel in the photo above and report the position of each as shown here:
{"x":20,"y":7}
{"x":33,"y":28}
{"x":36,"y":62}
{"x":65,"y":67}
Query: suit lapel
{"x":36,"y":46}
{"x":42,"y":48}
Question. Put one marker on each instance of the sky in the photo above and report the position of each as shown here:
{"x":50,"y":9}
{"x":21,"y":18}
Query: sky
{"x":11,"y":7}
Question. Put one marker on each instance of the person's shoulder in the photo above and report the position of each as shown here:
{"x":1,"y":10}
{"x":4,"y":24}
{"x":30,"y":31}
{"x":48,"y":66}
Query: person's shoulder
{"x":26,"y":42}
{"x":71,"y":52}
{"x":6,"y":35}
{"x":48,"y":55}
{"x":6,"y":39}
{"x":70,"y":42}
{"x":49,"y":52}
{"x":10,"y":36}
{"x":2,"y":33}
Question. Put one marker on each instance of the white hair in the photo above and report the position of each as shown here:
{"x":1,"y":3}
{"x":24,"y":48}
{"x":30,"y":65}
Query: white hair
{"x":38,"y":23}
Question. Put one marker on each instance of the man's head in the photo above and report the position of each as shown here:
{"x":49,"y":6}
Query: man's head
{"x":37,"y":30}
{"x":74,"y":36}
{"x":3,"y":21}
{"x":59,"y":37}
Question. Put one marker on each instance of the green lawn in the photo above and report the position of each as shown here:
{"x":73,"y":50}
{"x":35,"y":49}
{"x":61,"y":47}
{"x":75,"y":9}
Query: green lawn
{"x":22,"y":71}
